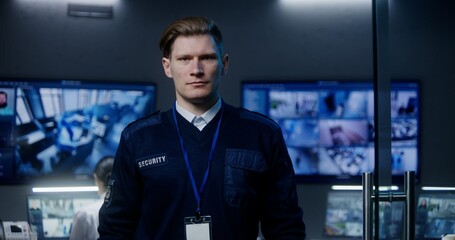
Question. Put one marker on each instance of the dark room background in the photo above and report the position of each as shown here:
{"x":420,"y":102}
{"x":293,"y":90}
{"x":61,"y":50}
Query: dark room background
{"x":266,"y":40}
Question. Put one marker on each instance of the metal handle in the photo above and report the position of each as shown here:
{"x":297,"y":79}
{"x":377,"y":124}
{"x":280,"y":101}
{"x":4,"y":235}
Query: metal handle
{"x":367,"y":191}
{"x":409,"y":220}
{"x":408,"y":197}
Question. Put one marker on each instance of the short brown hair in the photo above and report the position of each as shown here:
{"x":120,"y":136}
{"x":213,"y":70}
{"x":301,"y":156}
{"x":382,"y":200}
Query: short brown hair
{"x":103,"y":169}
{"x":189,"y":26}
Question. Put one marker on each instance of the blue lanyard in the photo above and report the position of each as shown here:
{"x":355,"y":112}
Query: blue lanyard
{"x":198,"y":194}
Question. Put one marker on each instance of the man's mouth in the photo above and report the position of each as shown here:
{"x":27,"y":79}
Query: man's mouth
{"x":196,"y":83}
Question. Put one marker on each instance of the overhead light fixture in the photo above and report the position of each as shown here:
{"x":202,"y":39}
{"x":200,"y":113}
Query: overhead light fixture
{"x":427,"y":188}
{"x":64,"y":189}
{"x":319,"y":2}
{"x":359,"y":187}
{"x":91,"y":2}
{"x":92,"y":11}
{"x":347,"y":187}
{"x":95,"y":2}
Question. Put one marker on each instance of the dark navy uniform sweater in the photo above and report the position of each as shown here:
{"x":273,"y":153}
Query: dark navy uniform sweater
{"x":251,"y":180}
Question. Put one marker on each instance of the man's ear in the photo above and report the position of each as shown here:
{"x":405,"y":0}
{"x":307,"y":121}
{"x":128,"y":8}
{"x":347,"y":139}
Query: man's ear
{"x":167,"y":66}
{"x":225,"y":61}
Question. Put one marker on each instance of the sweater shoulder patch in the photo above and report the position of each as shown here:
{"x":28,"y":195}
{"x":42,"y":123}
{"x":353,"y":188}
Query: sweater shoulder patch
{"x":257,"y":117}
{"x":146,"y":121}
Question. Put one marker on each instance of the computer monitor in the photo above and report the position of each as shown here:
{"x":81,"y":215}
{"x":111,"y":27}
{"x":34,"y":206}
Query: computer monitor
{"x":50,"y":215}
{"x":58,"y":129}
{"x":328,"y":126}
{"x":344,"y":217}
{"x":435,"y":215}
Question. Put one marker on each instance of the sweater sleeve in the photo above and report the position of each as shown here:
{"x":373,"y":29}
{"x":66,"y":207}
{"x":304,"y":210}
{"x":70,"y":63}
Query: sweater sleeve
{"x":282,"y":218}
{"x":120,"y":211}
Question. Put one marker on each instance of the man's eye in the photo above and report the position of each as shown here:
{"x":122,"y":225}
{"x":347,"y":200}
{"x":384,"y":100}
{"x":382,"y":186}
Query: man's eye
{"x":209,"y":58}
{"x":184,"y":59}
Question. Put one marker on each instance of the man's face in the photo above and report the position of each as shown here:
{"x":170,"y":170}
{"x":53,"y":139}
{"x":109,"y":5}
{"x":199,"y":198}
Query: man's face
{"x":2,"y":98}
{"x":195,"y":65}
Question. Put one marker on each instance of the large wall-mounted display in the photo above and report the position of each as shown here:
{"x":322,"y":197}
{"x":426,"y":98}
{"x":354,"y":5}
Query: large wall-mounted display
{"x":328,"y":126}
{"x":59,"y":129}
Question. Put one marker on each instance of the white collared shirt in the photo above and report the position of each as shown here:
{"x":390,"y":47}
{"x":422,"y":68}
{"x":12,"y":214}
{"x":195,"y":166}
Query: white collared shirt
{"x":199,"y":121}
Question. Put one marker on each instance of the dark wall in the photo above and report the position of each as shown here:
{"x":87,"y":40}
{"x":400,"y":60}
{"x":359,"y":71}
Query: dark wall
{"x":265,"y":40}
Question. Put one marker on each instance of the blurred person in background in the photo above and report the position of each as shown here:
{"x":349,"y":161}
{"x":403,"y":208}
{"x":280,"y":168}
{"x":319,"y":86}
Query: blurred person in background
{"x":85,"y":221}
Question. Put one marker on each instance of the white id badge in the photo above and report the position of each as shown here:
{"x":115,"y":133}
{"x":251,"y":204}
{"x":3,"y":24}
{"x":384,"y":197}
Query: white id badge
{"x":198,"y":229}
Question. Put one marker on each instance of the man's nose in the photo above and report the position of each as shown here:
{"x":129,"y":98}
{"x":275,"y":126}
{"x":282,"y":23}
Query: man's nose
{"x":197,"y":67}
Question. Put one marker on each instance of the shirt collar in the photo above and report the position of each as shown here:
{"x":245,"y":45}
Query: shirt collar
{"x":207,"y":116}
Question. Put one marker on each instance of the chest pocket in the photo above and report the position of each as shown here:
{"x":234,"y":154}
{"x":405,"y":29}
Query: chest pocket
{"x":243,"y":176}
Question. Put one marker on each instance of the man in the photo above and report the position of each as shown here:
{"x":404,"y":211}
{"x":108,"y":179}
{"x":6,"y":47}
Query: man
{"x":4,"y":109}
{"x":203,"y":169}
